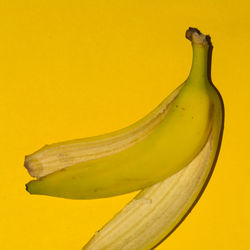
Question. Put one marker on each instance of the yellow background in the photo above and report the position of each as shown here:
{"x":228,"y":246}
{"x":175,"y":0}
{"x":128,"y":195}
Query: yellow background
{"x":71,"y":69}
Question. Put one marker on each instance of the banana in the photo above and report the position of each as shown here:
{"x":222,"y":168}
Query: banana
{"x":149,"y":151}
{"x":170,"y":154}
{"x":157,"y":210}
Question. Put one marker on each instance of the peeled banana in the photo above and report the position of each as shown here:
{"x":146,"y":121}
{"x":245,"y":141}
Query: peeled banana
{"x":157,"y":210}
{"x":152,"y":149}
{"x":170,"y":154}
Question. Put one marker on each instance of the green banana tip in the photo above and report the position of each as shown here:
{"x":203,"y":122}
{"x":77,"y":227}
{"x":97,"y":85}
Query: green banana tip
{"x":196,"y":37}
{"x":27,"y":187}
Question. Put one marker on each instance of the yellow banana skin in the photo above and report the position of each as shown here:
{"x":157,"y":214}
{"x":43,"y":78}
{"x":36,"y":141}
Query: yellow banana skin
{"x":157,"y":210}
{"x":158,"y":146}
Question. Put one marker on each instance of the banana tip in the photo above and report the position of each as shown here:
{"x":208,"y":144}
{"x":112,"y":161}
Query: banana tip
{"x":26,"y":161}
{"x":27,"y":165}
{"x":27,"y":187}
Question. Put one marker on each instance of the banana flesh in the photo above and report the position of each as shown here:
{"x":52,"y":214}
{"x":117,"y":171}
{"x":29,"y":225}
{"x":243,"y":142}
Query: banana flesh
{"x":149,"y":151}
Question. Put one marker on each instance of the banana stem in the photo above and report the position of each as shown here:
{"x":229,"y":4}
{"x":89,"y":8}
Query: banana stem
{"x":200,"y":44}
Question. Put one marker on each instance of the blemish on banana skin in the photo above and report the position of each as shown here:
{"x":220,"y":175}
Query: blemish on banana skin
{"x":177,"y":106}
